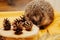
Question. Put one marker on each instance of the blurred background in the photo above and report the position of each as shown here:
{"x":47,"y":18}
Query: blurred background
{"x":55,"y":4}
{"x":19,"y":5}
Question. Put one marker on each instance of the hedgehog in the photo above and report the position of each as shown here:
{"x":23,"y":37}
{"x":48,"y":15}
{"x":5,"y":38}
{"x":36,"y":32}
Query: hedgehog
{"x":40,"y":12}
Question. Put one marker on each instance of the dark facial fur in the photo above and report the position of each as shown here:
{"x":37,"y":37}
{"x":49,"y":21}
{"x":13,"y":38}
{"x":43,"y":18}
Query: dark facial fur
{"x":40,"y":13}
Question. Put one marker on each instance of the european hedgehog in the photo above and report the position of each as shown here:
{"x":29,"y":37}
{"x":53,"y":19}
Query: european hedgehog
{"x":40,"y":12}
